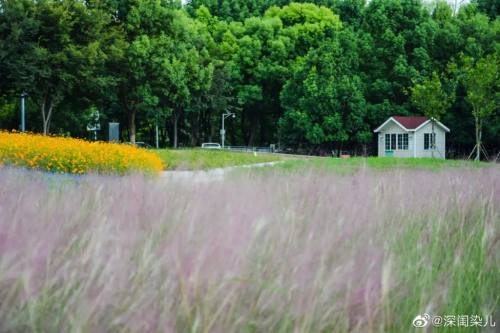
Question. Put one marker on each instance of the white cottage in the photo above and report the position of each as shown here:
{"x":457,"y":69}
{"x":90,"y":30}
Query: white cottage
{"x":411,"y":137}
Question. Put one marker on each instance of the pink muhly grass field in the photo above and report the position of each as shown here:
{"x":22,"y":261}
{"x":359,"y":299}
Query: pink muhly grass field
{"x":304,"y":251}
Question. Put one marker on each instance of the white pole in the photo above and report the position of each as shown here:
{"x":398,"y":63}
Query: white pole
{"x":157,"y":139}
{"x":23,"y":113}
{"x":223,"y":131}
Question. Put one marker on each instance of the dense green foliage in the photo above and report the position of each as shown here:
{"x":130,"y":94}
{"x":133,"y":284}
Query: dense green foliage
{"x":313,"y":75}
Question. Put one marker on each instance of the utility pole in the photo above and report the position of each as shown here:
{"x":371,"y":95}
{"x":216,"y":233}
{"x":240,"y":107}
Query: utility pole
{"x":157,"y":138}
{"x":223,"y":130}
{"x":23,"y":111}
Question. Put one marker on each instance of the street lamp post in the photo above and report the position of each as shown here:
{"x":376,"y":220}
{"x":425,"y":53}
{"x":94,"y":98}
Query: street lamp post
{"x":23,"y":111}
{"x":223,"y":131}
{"x":94,"y":125}
{"x":157,"y":137}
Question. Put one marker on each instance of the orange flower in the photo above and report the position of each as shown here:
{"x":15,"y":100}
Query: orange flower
{"x":52,"y":153}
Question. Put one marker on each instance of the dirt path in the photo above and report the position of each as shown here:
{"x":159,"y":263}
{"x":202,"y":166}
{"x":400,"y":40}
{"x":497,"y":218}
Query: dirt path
{"x":209,"y":175}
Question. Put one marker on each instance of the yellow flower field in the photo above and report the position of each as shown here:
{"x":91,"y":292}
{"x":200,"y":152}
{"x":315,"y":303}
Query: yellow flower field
{"x":67,"y":155}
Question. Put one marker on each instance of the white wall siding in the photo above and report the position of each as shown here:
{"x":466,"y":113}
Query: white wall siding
{"x":381,"y":144}
{"x":415,"y":141}
{"x":440,"y":151}
{"x":392,"y":128}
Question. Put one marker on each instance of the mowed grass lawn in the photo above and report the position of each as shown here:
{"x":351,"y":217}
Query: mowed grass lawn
{"x":200,"y":159}
{"x":350,"y":165}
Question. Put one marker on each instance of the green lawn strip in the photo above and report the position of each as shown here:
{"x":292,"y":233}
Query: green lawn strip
{"x":350,"y":165}
{"x":198,"y":159}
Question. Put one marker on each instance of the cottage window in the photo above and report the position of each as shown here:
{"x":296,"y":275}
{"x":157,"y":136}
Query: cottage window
{"x":396,"y":141}
{"x":393,"y":141}
{"x":429,"y":141}
{"x":405,"y":142}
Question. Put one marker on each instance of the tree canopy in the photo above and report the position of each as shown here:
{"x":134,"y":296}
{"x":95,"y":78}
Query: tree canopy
{"x":312,"y":75}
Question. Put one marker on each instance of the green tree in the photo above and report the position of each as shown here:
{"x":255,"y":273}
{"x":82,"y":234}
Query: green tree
{"x":140,"y":22}
{"x":482,"y":82}
{"x":489,"y":7}
{"x":149,"y":62}
{"x":431,"y":99}
{"x":51,"y":49}
{"x":323,"y":101}
{"x":396,"y":53}
{"x":468,"y":33}
{"x":182,"y":77}
{"x":164,"y":62}
{"x":263,"y":53}
{"x":231,"y":10}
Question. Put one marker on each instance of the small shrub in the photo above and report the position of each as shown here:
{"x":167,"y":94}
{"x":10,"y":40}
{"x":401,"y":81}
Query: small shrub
{"x":67,"y":155}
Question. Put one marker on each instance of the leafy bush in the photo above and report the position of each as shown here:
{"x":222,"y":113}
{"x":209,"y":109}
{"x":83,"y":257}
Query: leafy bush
{"x":67,"y":155}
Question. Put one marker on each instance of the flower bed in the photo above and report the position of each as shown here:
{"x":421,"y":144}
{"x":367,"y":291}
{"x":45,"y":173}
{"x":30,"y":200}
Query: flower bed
{"x":68,"y":155}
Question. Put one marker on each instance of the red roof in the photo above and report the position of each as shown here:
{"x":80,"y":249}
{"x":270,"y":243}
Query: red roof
{"x":410,"y":122}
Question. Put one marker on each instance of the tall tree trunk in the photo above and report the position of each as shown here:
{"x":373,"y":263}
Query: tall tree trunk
{"x":46,"y":114}
{"x":253,"y":131}
{"x":244,"y":131}
{"x":165,"y":134}
{"x":131,"y":125}
{"x":176,"y":120}
{"x":195,"y":129}
{"x":49,"y":120}
{"x":478,"y":139}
